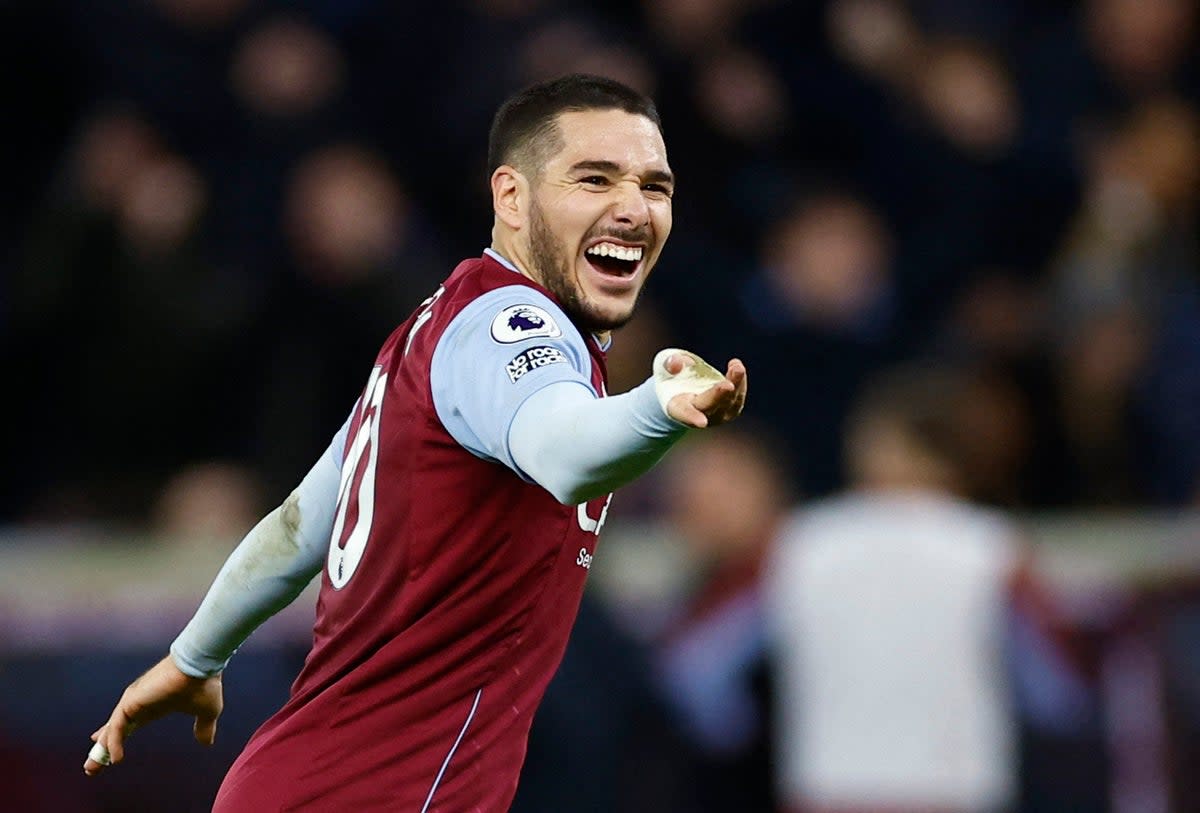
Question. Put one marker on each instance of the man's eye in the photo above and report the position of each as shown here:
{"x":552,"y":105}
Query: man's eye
{"x":595,"y":180}
{"x":657,"y":187}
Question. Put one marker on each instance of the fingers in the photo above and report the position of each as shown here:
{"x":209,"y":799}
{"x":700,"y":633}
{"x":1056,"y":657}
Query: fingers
{"x":109,"y":739}
{"x":108,"y":745}
{"x":724,"y":402}
{"x":683,"y":410}
{"x":98,"y":758}
{"x":695,"y":410}
{"x":714,"y":398}
{"x":736,"y":373}
{"x":205,"y":729}
{"x":119,"y":727}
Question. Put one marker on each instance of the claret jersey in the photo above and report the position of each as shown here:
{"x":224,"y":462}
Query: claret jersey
{"x":452,"y":582}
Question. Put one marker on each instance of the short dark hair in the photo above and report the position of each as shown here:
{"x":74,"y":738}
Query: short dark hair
{"x":525,"y":130}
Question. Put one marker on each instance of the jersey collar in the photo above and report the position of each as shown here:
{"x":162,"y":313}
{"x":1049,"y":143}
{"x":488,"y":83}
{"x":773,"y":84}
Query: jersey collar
{"x":495,"y":255}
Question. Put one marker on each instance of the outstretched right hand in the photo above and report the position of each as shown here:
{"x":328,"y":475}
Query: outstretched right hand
{"x":704,"y":396}
{"x":720,"y":403}
{"x":160,"y":691}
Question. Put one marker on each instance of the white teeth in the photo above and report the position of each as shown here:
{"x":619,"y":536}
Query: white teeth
{"x":629,"y":253}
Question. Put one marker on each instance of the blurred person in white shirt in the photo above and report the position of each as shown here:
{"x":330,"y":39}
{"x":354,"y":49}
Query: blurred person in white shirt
{"x":888,"y":606}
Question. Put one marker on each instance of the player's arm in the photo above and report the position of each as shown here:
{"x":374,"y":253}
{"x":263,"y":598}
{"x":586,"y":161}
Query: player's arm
{"x":270,"y":567}
{"x":523,"y":396}
{"x":579,"y":447}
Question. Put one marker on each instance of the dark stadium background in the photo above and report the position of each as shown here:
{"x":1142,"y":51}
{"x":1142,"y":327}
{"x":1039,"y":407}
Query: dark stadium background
{"x":214,"y":211}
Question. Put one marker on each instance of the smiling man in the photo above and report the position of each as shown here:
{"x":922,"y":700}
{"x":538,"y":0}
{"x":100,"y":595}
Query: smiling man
{"x":589,"y":219}
{"x":454,"y":518}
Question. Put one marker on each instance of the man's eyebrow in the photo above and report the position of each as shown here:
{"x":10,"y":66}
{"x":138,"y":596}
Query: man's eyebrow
{"x":659,"y":176}
{"x":613,"y":168}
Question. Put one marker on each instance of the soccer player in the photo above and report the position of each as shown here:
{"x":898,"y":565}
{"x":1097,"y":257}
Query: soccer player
{"x":455,"y":516}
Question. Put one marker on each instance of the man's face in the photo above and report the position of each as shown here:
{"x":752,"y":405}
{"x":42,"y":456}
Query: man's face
{"x":599,"y":215}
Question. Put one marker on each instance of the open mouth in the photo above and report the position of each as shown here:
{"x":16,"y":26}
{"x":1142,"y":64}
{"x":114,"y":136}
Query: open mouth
{"x":615,"y":260}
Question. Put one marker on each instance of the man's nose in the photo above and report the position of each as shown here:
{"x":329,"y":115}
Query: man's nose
{"x":630,"y":207}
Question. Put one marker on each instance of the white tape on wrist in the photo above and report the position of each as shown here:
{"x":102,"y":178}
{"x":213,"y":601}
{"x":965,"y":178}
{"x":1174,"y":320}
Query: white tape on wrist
{"x":100,"y":754}
{"x":694,"y":378}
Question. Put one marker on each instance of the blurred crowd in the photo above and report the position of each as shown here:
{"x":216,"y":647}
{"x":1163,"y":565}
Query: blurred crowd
{"x":215,"y":210}
{"x":955,"y":241}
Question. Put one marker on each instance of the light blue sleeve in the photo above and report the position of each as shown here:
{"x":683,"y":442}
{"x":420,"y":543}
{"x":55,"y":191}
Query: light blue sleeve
{"x":579,"y":448}
{"x":501,"y":349}
{"x":270,"y":567}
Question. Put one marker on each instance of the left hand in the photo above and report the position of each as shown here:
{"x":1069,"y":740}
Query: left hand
{"x":160,"y":691}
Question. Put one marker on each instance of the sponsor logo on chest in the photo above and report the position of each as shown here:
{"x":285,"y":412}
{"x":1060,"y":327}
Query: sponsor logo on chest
{"x":584,"y":559}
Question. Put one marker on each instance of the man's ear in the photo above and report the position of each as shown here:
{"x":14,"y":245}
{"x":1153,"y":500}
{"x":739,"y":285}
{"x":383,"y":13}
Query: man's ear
{"x":510,"y":196}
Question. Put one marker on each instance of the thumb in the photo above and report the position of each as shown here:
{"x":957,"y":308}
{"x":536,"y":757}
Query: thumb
{"x":205,"y":729}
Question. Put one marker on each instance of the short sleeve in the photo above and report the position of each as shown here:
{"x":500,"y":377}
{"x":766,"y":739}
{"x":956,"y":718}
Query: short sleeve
{"x":502,"y":348}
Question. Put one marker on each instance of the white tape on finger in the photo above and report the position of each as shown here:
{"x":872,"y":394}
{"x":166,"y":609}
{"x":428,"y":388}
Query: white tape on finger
{"x":694,"y":378}
{"x":100,"y":754}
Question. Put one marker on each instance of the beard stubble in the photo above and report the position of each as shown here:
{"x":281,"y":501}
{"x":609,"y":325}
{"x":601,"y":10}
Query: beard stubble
{"x":557,"y":274}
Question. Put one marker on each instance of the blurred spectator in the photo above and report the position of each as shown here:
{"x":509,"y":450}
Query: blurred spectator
{"x":201,"y":14}
{"x":691,"y":27}
{"x":888,"y":609}
{"x":169,"y":57}
{"x":360,"y":255}
{"x":117,"y":290}
{"x":998,"y":318}
{"x":740,"y":138}
{"x":1126,"y":303}
{"x":952,"y":179}
{"x":576,"y":45}
{"x":161,"y":207}
{"x":287,"y":79}
{"x":1100,"y":59}
{"x":816,"y":317}
{"x":211,"y":503}
{"x":878,"y":37}
{"x":1141,"y":44}
{"x":828,"y":262}
{"x":347,"y":218}
{"x":996,"y":434}
{"x":1131,"y":240}
{"x":970,"y":98}
{"x":286,"y":68}
{"x":1096,"y":374}
{"x":998,"y":328}
{"x":725,"y":498}
{"x":741,"y":97}
{"x":476,"y":65}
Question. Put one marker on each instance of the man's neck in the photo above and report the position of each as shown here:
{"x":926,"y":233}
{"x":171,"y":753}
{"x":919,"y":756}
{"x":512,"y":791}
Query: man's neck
{"x":509,"y":254}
